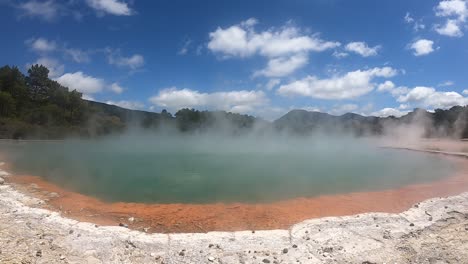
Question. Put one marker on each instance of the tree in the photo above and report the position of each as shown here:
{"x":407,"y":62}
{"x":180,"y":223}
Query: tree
{"x":7,"y":105}
{"x":39,"y":83}
{"x":75,"y":106}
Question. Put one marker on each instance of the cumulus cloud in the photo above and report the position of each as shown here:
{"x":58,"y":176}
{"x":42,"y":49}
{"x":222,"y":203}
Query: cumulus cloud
{"x":41,"y":45}
{"x":116,"y":88}
{"x":362,"y":49}
{"x":235,"y":101}
{"x":272,"y":83}
{"x":81,"y":82}
{"x":340,"y":54}
{"x":456,"y":12}
{"x":451,"y":28}
{"x":350,"y":85}
{"x":133,"y":62}
{"x":283,"y":66}
{"x":283,"y":45}
{"x":386,"y":86}
{"x":55,"y":67}
{"x":431,"y":98}
{"x":457,"y":8}
{"x":135,"y":105}
{"x":113,"y":7}
{"x":385,"y":112}
{"x":422,"y":47}
{"x":46,"y":10}
{"x":242,"y":40}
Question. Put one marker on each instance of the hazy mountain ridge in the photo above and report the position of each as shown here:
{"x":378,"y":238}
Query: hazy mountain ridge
{"x":35,"y":106}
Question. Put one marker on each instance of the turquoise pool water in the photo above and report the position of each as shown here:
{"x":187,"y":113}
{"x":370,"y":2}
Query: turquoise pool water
{"x":196,"y":169}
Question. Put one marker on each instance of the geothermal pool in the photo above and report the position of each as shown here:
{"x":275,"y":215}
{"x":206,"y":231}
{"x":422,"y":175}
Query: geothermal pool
{"x":197,"y":169}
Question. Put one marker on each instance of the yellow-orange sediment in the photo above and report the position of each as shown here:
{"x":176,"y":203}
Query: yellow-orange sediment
{"x":236,"y":216}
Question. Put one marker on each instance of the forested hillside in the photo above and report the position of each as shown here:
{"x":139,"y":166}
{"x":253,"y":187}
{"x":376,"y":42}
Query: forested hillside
{"x":33,"y":106}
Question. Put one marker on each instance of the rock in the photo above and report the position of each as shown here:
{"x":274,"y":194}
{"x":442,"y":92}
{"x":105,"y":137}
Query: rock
{"x":182,"y":253}
{"x":62,"y":257}
{"x":39,"y":253}
{"x":294,"y":246}
{"x":53,"y":195}
{"x":328,"y":250}
{"x":131,"y":219}
{"x":123,"y":225}
{"x":285,"y":251}
{"x":2,"y":181}
{"x":411,"y":224}
{"x":211,"y":259}
{"x":266,"y":261}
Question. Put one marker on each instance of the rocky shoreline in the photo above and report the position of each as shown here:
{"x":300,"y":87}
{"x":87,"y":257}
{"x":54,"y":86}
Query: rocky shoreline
{"x":434,"y":231}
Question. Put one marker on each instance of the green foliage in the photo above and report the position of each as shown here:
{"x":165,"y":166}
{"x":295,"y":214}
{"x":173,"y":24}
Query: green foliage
{"x":35,"y":106}
{"x":7,"y":104}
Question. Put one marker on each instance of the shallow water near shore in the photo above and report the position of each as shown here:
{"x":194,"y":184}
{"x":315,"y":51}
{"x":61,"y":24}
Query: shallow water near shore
{"x":195,"y":169}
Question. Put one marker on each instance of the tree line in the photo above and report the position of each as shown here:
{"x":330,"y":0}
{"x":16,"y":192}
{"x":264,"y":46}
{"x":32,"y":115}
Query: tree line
{"x":33,"y":106}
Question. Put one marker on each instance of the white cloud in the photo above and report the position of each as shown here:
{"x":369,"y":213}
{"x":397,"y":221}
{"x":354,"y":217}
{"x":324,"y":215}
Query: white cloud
{"x":408,"y":18}
{"x":351,"y":85}
{"x":283,"y":66}
{"x":41,"y":45}
{"x":431,"y":98}
{"x":422,"y":47}
{"x":451,"y":28}
{"x":185,"y":47}
{"x":417,"y":25}
{"x":113,"y":7}
{"x":235,"y":101}
{"x":339,"y":55}
{"x":465,"y":91}
{"x":446,"y":83}
{"x":391,"y":88}
{"x":286,"y":48}
{"x":389,"y":112}
{"x":135,"y":105}
{"x":116,"y":88}
{"x":386,"y":86}
{"x":242,"y":40}
{"x":77,"y":55}
{"x":47,"y":10}
{"x":272,"y":83}
{"x":457,"y":8}
{"x":362,"y":49}
{"x":133,"y":62}
{"x":55,"y":68}
{"x":81,"y":82}
{"x":457,"y":12}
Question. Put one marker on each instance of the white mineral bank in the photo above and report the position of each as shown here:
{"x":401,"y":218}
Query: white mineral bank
{"x":434,"y":231}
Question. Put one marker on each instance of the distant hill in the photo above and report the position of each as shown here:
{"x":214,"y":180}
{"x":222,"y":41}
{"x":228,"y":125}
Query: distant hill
{"x":452,"y":122}
{"x":34,"y":106}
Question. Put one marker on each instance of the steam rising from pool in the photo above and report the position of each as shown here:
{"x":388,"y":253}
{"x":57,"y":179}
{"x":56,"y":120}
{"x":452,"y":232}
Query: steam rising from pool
{"x":206,"y":169}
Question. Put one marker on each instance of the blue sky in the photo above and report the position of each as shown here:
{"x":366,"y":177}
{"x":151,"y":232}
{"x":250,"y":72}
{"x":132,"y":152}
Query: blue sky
{"x":257,"y":57}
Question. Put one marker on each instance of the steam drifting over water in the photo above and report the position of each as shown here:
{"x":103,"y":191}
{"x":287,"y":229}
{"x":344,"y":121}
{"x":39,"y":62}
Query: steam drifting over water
{"x":202,"y":168}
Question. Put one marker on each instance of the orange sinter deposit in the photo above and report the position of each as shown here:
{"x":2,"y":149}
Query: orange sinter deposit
{"x":166,"y":218}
